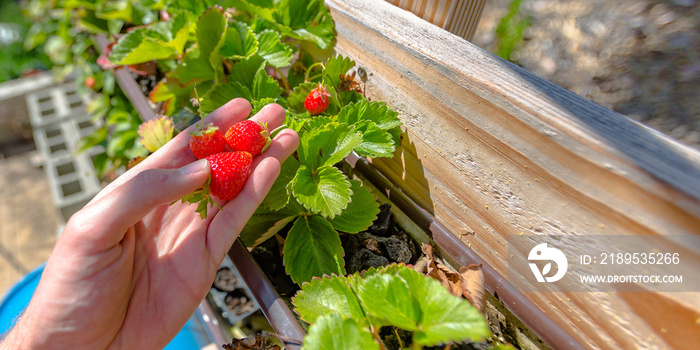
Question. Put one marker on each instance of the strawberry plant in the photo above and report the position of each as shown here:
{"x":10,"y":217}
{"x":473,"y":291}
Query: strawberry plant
{"x":194,"y":56}
{"x":348,"y":312}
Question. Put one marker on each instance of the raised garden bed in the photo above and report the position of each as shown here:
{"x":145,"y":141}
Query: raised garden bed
{"x":491,"y":151}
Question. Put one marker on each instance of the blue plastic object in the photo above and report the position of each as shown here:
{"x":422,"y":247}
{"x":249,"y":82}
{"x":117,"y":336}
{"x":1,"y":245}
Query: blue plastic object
{"x":192,"y":337}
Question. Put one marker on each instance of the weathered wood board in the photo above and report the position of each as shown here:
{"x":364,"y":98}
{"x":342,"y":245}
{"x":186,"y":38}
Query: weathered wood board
{"x":492,"y":150}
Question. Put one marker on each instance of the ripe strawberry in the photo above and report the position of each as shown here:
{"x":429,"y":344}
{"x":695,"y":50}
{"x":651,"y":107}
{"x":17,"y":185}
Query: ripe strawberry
{"x":229,"y":171}
{"x":207,"y":140}
{"x":317,"y":100}
{"x":248,"y":136}
{"x":228,"y":174}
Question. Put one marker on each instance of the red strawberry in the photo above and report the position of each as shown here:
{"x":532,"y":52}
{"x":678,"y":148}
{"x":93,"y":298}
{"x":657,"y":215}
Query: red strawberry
{"x":206,"y":141}
{"x":248,"y":136}
{"x":229,"y":171}
{"x":317,"y":100}
{"x":228,"y":174}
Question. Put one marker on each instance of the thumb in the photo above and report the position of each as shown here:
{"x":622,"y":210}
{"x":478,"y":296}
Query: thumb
{"x":129,"y":202}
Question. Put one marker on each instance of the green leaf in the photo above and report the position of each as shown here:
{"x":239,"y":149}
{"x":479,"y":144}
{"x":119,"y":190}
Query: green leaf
{"x":306,"y":20}
{"x":444,"y":317}
{"x":264,"y":224}
{"x":211,"y":28}
{"x":120,"y":9}
{"x":327,"y":296}
{"x":298,"y":95}
{"x":180,"y":28}
{"x":312,"y":248}
{"x":194,"y":67}
{"x":325,"y":191}
{"x":328,"y":145}
{"x":337,"y":332}
{"x":375,"y":141}
{"x":378,"y":112}
{"x":388,"y":298}
{"x":141,"y":45}
{"x":335,"y":67}
{"x":222,"y":93}
{"x":245,"y":71}
{"x":265,"y":86}
{"x":240,"y":42}
{"x":280,"y":192}
{"x":273,"y":50}
{"x":361,"y":211}
{"x":262,"y":8}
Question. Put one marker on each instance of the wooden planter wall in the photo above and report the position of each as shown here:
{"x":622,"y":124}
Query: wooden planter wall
{"x":491,"y":150}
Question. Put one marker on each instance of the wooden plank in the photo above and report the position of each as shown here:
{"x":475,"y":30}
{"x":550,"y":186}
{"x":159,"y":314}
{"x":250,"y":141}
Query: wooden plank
{"x":504,"y":152}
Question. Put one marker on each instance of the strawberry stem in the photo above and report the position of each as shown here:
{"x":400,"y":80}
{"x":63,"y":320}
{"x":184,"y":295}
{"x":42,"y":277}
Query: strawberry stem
{"x":311,"y":67}
{"x":277,"y":130}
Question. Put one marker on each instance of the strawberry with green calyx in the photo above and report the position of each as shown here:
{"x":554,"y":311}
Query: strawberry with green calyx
{"x":317,"y":100}
{"x":207,"y":140}
{"x":248,"y":136}
{"x":228,"y":174}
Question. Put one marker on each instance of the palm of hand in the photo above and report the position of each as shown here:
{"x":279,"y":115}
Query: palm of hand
{"x":129,"y":273}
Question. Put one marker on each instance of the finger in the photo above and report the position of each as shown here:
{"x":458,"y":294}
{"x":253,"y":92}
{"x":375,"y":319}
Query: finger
{"x":227,"y":224}
{"x":273,"y":115}
{"x":104,"y":222}
{"x":176,"y":153}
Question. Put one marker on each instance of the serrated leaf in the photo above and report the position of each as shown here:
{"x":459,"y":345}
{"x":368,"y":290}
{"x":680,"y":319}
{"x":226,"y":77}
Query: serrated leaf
{"x":298,"y":95}
{"x":211,"y":28}
{"x":193,"y":68}
{"x":245,"y":71}
{"x":335,"y":67}
{"x":325,"y":191}
{"x":240,"y":42}
{"x":273,"y":50}
{"x":374,"y":111}
{"x":337,"y":332}
{"x":328,"y":145}
{"x":327,"y":296}
{"x":222,"y":93}
{"x":444,"y":317}
{"x":375,"y":141}
{"x":306,"y":20}
{"x":318,"y":122}
{"x":180,"y":27}
{"x":312,"y":248}
{"x":156,"y":133}
{"x":388,"y":298}
{"x":260,"y":8}
{"x":141,"y":45}
{"x":265,"y":86}
{"x":361,"y":211}
{"x":281,"y":190}
{"x":264,"y":223}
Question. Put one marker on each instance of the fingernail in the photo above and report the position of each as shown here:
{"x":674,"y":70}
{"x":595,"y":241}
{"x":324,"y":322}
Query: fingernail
{"x":193,"y":167}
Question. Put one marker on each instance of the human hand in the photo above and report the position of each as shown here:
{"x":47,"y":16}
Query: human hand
{"x":130,"y":269}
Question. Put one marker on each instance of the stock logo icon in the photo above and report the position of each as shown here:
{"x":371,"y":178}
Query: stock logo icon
{"x":542,"y":252}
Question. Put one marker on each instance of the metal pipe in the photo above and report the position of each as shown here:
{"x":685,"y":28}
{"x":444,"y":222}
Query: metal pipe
{"x":271,"y":304}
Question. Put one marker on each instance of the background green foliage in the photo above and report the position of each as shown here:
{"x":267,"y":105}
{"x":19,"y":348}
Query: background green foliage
{"x":15,"y":60}
{"x":510,"y":30}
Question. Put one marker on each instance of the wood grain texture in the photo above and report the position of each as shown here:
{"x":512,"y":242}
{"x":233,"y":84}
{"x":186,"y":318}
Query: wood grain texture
{"x":492,"y":150}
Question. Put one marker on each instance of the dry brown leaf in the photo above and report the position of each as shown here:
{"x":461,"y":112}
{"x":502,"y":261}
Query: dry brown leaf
{"x":473,"y":285}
